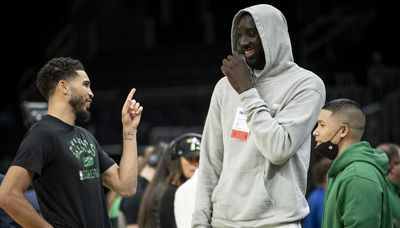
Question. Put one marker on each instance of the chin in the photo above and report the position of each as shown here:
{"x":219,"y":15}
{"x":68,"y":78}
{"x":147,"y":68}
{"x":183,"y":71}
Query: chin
{"x":83,"y":116}
{"x":251,"y":64}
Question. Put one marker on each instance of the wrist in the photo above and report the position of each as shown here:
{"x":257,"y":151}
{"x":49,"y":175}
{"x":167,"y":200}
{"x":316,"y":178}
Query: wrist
{"x":129,"y":134}
{"x":245,"y":89}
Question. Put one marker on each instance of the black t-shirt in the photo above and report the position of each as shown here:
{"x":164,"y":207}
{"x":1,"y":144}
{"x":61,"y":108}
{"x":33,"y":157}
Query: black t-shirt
{"x":167,"y":216}
{"x":130,"y":205}
{"x":68,"y":162}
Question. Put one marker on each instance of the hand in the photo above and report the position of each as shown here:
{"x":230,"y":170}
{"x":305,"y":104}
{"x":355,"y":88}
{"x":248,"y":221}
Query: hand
{"x":235,"y":69}
{"x":131,"y":113}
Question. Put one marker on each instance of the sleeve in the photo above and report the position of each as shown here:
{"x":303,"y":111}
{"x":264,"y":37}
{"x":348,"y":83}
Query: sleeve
{"x":34,"y":152}
{"x":105,"y":161}
{"x":359,"y":199}
{"x":210,"y":165}
{"x":279,"y":137}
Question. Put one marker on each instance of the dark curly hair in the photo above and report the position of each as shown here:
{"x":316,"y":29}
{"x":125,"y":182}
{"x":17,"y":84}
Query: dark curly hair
{"x":61,"y":68}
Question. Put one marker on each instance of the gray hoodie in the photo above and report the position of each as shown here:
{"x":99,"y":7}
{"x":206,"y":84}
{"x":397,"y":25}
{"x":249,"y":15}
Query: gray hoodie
{"x":261,"y":181}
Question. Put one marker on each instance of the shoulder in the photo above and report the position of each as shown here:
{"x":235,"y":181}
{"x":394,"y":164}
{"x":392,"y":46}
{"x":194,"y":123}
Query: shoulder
{"x":222,"y":89}
{"x":87,"y":133}
{"x":40,"y":132}
{"x":362,"y":172}
{"x":83,"y":130}
{"x":311,"y":79}
{"x":300,"y":80}
{"x":222,"y":83}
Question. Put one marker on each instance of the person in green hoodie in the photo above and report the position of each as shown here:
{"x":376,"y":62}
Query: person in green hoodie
{"x":356,"y":194}
{"x":393,"y":178}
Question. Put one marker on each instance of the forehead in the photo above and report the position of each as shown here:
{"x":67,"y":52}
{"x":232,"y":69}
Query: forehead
{"x":81,"y":76}
{"x":246,"y":21}
{"x":325,"y":116}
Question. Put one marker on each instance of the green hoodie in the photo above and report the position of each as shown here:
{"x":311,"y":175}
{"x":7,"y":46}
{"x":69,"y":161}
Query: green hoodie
{"x":356,"y":194}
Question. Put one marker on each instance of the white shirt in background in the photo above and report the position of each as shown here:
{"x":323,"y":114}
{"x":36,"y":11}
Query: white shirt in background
{"x":185,"y":197}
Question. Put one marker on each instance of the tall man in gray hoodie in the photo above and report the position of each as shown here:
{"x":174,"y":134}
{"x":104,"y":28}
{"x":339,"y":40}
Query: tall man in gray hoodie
{"x":257,"y":136}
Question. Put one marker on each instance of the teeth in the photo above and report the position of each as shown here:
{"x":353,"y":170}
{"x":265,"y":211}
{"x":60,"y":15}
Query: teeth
{"x":248,"y":53}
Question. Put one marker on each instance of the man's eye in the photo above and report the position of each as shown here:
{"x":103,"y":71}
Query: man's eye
{"x":252,"y":33}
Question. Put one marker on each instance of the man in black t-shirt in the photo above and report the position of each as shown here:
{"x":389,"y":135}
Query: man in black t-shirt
{"x":64,"y":162}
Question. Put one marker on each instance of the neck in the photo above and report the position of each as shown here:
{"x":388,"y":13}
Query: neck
{"x":344,"y":144}
{"x":61,"y":110}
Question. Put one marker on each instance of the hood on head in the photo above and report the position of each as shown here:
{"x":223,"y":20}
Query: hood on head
{"x":273,"y":31}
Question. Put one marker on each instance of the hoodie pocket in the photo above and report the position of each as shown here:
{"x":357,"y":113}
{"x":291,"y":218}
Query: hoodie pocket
{"x":242,"y":196}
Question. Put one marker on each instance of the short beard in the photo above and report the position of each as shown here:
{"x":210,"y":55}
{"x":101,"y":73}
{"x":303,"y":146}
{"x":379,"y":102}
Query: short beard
{"x":77,"y":104}
{"x":83,"y":116}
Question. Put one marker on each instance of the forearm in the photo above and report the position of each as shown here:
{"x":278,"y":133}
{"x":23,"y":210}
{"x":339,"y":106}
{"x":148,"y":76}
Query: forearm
{"x":128,"y":166}
{"x":279,"y":135}
{"x":19,"y":208}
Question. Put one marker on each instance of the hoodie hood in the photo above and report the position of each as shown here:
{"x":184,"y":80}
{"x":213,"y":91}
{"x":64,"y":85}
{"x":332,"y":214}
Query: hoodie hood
{"x":360,"y":152}
{"x":273,"y":31}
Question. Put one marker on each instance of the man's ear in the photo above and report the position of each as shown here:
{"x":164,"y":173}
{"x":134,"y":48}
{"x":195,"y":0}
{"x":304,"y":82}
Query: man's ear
{"x":345,"y":130}
{"x":62,"y":86}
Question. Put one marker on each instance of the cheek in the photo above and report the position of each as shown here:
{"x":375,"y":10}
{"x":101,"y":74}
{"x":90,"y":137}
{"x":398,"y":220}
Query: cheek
{"x":397,"y":170}
{"x":259,"y":45}
{"x":323,"y":135}
{"x":186,"y":168}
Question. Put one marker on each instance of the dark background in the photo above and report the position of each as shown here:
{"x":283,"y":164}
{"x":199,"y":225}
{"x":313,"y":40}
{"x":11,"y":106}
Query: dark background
{"x":171,"y":52}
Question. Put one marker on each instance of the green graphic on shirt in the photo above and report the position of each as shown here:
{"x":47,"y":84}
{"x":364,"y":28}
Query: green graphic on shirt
{"x":86,"y":153}
{"x":89,"y":174}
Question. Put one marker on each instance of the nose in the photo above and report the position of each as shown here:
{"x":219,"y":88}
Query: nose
{"x":315,"y":132}
{"x":244,"y":42}
{"x":91,"y":95}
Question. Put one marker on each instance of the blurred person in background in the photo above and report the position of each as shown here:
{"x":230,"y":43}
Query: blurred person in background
{"x":393,"y":178}
{"x":150,"y":159}
{"x":185,"y":149}
{"x":316,"y":197}
{"x":184,"y":202}
{"x":174,"y":168}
